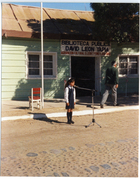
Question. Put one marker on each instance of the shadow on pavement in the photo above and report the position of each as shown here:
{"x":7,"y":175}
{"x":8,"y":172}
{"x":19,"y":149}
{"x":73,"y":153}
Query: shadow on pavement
{"x":54,"y":100}
{"x":36,"y":116}
{"x":22,"y":107}
{"x":131,"y":99}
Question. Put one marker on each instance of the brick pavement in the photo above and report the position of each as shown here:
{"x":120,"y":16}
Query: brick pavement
{"x":52,"y":148}
{"x":110,"y":159}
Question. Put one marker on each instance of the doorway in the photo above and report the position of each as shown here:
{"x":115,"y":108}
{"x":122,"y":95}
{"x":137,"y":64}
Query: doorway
{"x":83,"y":70}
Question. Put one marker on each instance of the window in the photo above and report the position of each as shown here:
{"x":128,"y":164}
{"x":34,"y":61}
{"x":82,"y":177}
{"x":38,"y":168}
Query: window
{"x":48,"y":65}
{"x":128,"y":65}
{"x":34,"y":65}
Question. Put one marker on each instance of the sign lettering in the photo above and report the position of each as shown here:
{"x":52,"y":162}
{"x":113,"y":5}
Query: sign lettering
{"x":79,"y":47}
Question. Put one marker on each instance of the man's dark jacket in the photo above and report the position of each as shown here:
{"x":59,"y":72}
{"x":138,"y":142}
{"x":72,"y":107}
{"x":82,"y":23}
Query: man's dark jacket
{"x":112,"y":76}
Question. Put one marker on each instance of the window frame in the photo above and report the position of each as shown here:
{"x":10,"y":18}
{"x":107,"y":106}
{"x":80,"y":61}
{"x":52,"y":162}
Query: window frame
{"x":128,"y":61}
{"x":54,"y":58}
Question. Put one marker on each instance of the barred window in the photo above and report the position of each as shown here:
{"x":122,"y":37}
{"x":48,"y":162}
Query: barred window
{"x":48,"y":65}
{"x":128,"y":65}
{"x":34,"y":65}
{"x":133,"y":65}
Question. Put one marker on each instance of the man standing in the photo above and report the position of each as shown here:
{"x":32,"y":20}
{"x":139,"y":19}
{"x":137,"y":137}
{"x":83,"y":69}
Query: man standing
{"x":111,"y":83}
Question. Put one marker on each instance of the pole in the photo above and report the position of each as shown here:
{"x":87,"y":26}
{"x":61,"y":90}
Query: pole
{"x":42,"y":66}
{"x":126,"y":86}
{"x":93,"y":104}
{"x":92,"y":90}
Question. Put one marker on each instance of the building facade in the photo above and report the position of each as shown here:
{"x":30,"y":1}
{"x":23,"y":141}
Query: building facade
{"x":68,"y":52}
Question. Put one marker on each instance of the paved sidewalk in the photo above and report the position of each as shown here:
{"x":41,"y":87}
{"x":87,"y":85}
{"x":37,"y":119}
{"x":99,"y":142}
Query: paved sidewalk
{"x":56,"y":107}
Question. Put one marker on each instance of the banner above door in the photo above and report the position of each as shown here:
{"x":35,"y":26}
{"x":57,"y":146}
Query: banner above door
{"x":86,"y":48}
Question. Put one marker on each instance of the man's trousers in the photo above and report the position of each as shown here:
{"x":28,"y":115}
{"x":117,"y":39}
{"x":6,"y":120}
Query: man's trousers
{"x":106,"y":93}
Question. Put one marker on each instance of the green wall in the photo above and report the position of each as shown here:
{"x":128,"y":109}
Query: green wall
{"x":14,"y":83}
{"x":126,"y":48}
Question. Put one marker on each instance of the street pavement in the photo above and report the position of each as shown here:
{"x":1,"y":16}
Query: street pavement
{"x":50,"y":147}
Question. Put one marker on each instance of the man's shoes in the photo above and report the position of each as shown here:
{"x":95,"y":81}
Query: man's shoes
{"x":72,"y":122}
{"x":116,"y":104}
{"x":101,"y":106}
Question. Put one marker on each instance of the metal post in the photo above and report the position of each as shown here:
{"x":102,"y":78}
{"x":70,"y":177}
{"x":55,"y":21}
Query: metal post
{"x":42,"y":66}
{"x":0,"y":86}
{"x":126,"y":86}
{"x":93,"y":104}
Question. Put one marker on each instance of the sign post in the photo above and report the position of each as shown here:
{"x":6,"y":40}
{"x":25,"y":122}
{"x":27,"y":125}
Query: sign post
{"x":126,"y":86}
{"x":42,"y":66}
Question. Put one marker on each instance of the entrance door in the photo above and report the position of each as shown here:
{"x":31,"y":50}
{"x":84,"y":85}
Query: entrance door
{"x":83,"y":70}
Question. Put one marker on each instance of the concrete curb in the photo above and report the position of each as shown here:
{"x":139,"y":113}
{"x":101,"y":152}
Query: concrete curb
{"x":75,"y":113}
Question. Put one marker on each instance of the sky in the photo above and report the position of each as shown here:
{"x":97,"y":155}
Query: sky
{"x":67,"y":4}
{"x":60,"y":5}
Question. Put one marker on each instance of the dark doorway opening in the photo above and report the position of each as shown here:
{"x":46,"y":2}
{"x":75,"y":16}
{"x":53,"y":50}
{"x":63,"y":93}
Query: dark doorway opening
{"x":83,"y":70}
